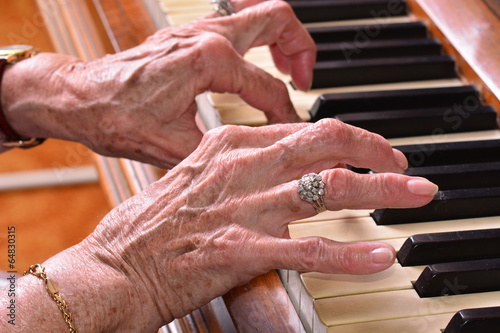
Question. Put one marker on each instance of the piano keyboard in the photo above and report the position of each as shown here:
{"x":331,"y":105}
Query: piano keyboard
{"x":395,"y":58}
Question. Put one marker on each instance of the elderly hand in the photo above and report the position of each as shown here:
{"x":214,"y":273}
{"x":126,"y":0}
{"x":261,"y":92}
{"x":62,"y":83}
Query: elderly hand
{"x":220,"y":217}
{"x":140,"y":103}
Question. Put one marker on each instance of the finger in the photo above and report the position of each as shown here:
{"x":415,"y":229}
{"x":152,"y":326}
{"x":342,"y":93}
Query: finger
{"x":347,"y":189}
{"x":228,"y":72}
{"x":317,"y":254}
{"x":271,"y":23}
{"x":280,"y":61}
{"x":344,"y":189}
{"x":329,"y":142}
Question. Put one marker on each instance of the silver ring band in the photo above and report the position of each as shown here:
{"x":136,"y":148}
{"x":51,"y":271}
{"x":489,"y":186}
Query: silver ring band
{"x":223,"y":7}
{"x":311,"y":189}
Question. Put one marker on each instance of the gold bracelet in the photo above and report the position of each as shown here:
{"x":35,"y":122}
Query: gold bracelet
{"x":39,"y":271}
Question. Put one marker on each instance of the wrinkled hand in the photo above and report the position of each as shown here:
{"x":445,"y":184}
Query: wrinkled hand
{"x":140,"y":103}
{"x":220,"y":217}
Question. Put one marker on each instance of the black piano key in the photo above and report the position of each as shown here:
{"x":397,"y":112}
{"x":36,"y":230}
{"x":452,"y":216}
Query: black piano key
{"x":327,"y":10}
{"x":446,"y":205}
{"x":406,"y":123}
{"x":460,"y":176}
{"x":329,"y":105}
{"x":422,"y":155}
{"x":378,"y":49}
{"x":384,"y":70}
{"x":363,"y":34}
{"x":455,"y":278}
{"x":432,"y":248}
{"x":479,"y":320}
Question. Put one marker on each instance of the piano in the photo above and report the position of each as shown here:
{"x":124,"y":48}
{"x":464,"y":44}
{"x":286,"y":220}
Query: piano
{"x":383,"y":59}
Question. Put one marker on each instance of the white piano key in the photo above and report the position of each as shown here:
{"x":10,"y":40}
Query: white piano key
{"x":387,"y":20}
{"x":453,"y":137}
{"x":182,"y":12}
{"x":422,"y":324}
{"x":319,"y":285}
{"x":365,"y":229}
{"x":395,"y":304}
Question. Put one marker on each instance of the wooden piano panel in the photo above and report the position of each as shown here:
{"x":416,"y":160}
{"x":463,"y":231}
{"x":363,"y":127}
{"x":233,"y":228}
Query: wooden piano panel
{"x":469,"y":31}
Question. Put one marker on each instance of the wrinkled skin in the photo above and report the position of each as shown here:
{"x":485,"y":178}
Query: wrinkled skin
{"x":197,"y":232}
{"x":140,"y":103}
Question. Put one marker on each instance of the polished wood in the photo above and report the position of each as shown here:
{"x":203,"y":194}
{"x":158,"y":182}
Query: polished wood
{"x":469,"y":31}
{"x":494,"y":5}
{"x":263,"y":305}
{"x":126,"y":22}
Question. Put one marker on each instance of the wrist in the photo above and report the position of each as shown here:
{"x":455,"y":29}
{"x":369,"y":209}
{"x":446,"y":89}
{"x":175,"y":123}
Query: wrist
{"x":33,"y":93}
{"x":10,"y":55}
{"x":99,"y":296}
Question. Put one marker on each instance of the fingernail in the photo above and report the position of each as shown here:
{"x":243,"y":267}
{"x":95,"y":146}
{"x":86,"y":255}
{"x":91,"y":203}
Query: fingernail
{"x":422,"y":187}
{"x":382,"y":256}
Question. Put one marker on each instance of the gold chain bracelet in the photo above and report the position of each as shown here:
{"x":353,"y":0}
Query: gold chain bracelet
{"x":39,"y":271}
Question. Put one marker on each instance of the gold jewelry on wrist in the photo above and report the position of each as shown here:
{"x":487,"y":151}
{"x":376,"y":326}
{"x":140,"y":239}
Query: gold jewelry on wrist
{"x":10,"y":55}
{"x":39,"y":271}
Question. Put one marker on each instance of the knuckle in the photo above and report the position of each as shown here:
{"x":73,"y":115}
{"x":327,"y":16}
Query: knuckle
{"x":213,"y":43}
{"x":388,"y":185}
{"x":230,"y":135}
{"x":335,"y":128}
{"x":312,"y":252}
{"x":281,"y":8}
{"x":339,"y":185}
{"x":208,"y":47}
{"x":226,"y":141}
{"x":283,"y":155}
{"x":345,"y":259}
{"x":227,"y":244}
{"x":335,"y":125}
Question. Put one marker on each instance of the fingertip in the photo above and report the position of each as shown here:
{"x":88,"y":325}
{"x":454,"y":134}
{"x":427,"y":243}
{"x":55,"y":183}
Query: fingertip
{"x":302,"y":71}
{"x":400,"y":159}
{"x":372,"y":257}
{"x":421,"y":186}
{"x":383,"y":255}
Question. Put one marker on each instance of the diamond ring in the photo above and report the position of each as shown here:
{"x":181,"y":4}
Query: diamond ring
{"x":311,"y":189}
{"x":223,"y":7}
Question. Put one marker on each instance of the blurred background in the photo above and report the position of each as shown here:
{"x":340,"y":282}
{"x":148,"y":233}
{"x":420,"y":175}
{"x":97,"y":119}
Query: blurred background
{"x":50,"y":218}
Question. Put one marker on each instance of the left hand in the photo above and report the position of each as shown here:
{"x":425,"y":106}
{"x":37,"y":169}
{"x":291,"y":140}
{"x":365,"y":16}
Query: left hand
{"x":140,"y":103}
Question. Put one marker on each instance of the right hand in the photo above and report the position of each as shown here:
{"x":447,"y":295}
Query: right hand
{"x":221,"y":217}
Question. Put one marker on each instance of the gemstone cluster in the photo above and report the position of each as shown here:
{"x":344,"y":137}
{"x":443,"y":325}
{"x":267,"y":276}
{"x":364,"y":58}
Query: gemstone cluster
{"x":311,"y":188}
